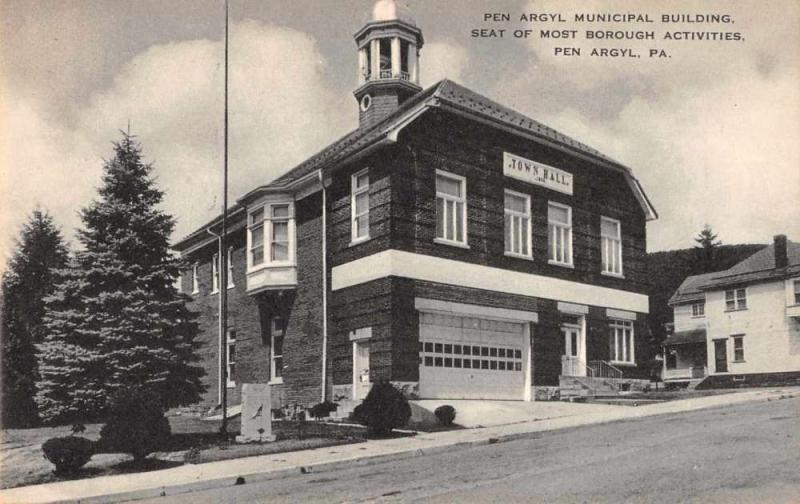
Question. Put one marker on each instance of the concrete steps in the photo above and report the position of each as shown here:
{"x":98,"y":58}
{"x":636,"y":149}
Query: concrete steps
{"x":585,"y":386}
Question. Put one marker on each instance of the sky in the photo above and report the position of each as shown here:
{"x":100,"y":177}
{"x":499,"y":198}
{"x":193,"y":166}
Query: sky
{"x":711,"y":132}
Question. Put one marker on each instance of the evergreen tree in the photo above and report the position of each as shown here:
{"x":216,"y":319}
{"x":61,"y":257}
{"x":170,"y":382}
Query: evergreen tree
{"x":27,"y":281}
{"x":116,"y":320}
{"x":705,"y":249}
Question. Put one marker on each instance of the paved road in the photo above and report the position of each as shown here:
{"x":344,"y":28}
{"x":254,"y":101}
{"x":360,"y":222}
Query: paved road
{"x":743,"y":453}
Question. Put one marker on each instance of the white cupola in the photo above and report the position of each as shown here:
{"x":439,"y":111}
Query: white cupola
{"x":388,"y":61}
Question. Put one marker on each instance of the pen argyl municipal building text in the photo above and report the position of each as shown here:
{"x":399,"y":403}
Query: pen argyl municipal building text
{"x":449,"y":244}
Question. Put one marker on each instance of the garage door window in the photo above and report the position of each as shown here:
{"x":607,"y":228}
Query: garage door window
{"x":484,"y":357}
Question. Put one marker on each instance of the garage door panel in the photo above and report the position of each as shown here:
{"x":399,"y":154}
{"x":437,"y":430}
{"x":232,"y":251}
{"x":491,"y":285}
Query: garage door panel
{"x":470,"y":358}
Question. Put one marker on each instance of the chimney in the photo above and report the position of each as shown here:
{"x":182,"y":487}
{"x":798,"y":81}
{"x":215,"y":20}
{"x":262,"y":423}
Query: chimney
{"x":781,"y":254}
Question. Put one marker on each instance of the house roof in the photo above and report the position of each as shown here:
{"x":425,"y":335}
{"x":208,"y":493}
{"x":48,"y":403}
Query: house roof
{"x":686,"y":337}
{"x":758,"y":267}
{"x":448,"y":95}
{"x":689,"y":290}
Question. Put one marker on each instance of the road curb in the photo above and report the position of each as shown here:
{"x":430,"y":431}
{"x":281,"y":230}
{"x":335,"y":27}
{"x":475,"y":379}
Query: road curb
{"x":268,"y":475}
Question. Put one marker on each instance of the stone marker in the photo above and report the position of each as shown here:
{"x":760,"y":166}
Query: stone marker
{"x":256,"y":414}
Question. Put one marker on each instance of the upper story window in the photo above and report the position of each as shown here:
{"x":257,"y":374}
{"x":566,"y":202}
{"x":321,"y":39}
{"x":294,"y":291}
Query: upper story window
{"x":215,"y":274}
{"x":277,"y":330}
{"x":230,"y":267}
{"x":359,"y":206}
{"x":611,"y":245}
{"x":621,"y":341}
{"x":735,"y":299}
{"x":271,"y":235}
{"x":451,"y":208}
{"x":699,"y":309}
{"x":559,"y":223}
{"x":195,"y":280}
{"x":518,"y":223}
{"x":797,"y":292}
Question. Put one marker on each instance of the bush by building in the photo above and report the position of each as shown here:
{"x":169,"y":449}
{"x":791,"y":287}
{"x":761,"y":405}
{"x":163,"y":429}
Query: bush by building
{"x":385,"y":408}
{"x":136,"y":424}
{"x":68,"y":453}
{"x":446,"y":414}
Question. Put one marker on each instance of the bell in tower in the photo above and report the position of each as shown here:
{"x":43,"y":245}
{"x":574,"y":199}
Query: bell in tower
{"x":388,"y":56}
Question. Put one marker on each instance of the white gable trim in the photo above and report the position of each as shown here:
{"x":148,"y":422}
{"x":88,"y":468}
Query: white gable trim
{"x":447,"y":271}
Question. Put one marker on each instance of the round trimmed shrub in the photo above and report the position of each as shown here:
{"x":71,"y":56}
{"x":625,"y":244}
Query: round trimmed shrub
{"x":323,"y":409}
{"x":136,"y":424}
{"x":385,"y":408}
{"x":68,"y":453}
{"x":446,"y":414}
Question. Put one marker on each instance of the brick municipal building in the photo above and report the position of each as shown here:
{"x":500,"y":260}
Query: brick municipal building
{"x":449,"y":244}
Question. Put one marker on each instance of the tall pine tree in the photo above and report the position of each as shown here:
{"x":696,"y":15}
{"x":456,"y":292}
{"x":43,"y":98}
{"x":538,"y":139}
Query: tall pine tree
{"x":27,"y":281}
{"x":116,"y":319}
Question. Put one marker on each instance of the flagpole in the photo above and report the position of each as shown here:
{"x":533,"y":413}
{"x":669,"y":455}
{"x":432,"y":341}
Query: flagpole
{"x":223,"y":256}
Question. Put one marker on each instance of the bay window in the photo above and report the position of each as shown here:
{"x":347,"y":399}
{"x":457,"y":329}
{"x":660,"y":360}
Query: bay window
{"x":621,"y":341}
{"x":271,"y":235}
{"x":611,"y":246}
{"x":451,"y":208}
{"x":517,"y":224}
{"x":359,"y":206}
{"x":559,"y":223}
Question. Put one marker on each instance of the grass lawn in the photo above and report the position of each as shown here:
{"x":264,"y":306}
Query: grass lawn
{"x":193,"y":441}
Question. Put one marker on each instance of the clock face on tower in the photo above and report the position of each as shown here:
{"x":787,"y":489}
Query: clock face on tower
{"x":366,"y":101}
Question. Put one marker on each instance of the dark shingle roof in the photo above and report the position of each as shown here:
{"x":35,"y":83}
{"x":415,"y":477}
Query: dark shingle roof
{"x":759,"y":266}
{"x":686,"y":337}
{"x":689,"y":290}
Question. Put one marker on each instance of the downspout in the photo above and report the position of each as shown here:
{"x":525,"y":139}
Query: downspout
{"x":221,"y":338}
{"x":324,"y":286}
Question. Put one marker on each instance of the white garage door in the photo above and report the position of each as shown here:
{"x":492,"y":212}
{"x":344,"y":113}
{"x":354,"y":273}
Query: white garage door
{"x":470,"y":358}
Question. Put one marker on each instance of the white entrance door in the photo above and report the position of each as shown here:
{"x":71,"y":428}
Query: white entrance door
{"x":361,"y":383}
{"x":573,"y":362}
{"x":472,"y":358}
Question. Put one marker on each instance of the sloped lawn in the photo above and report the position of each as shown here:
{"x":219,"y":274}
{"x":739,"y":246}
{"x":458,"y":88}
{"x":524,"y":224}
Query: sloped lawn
{"x":193,"y":441}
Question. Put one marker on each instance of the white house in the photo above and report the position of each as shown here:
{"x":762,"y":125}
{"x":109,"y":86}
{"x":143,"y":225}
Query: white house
{"x":740,"y":326}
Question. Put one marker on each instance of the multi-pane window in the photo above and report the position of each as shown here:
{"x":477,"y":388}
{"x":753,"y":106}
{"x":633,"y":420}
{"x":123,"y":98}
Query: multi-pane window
{"x":230,"y":267}
{"x":518,"y":223}
{"x":699,"y":309}
{"x":451,"y":208}
{"x":735,"y":299}
{"x":738,"y":348}
{"x":231,"y":357}
{"x":465,"y":356}
{"x":195,"y":280}
{"x":559,"y":220}
{"x":277,"y":330}
{"x":359,"y":206}
{"x":611,"y":245}
{"x":621,"y":341}
{"x":215,"y":274}
{"x":257,"y":237}
{"x":797,"y":292}
{"x":271,"y":235}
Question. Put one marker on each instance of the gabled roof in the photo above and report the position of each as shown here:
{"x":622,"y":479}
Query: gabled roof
{"x":689,"y":290}
{"x":758,"y":267}
{"x":447,"y":95}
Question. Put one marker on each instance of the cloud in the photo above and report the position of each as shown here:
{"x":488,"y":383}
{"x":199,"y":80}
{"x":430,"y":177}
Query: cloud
{"x":445,"y":59}
{"x":281,"y":111}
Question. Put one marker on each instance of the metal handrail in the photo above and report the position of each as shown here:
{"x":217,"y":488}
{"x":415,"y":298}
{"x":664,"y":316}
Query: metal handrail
{"x":604,"y":369}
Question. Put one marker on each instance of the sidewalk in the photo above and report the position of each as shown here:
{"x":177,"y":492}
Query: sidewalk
{"x":189,"y":478}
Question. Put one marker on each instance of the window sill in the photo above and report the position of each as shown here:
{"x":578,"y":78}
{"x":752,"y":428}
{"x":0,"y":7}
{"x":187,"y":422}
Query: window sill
{"x":451,"y":243}
{"x":518,"y":256}
{"x":264,"y":266}
{"x":213,"y":292}
{"x":735,"y":310}
{"x":231,"y":384}
{"x":622,"y":363}
{"x":739,"y":362}
{"x":698,"y":316}
{"x":563,"y":265}
{"x":359,"y":241}
{"x":194,"y":293}
{"x":613,"y":275}
{"x":276,"y":381}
